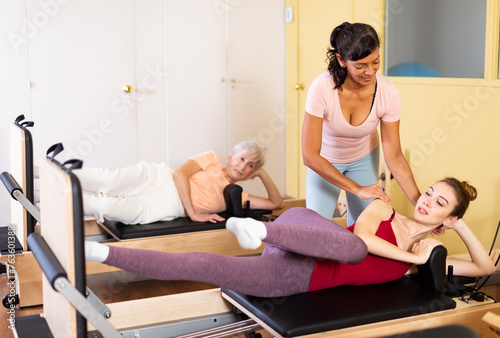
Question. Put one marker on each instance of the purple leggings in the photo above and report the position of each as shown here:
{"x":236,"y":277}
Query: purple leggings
{"x":285,"y":267}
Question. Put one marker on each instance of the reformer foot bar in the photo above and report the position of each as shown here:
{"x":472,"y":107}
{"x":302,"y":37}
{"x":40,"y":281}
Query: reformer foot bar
{"x":16,"y":192}
{"x":58,"y":279}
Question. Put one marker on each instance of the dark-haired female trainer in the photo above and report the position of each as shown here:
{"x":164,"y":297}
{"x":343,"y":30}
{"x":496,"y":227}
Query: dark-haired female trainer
{"x":340,"y":141}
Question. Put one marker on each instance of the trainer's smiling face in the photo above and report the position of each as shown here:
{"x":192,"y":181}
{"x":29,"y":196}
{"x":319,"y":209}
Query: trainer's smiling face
{"x":362,"y":71}
{"x":435,"y":205}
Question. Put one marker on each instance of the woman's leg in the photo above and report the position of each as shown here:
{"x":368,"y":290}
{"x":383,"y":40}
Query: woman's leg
{"x":302,"y":231}
{"x":265,"y":276}
{"x":305,"y":232}
{"x":158,"y":200}
{"x":131,"y":180}
{"x":126,"y":209}
{"x":364,"y":172}
{"x":321,"y":195}
{"x":132,"y":209}
{"x":162,"y":201}
{"x":279,"y":274}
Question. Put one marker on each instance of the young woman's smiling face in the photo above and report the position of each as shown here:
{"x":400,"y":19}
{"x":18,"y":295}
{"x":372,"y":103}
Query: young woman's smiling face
{"x":363,"y":71}
{"x":435,"y":205}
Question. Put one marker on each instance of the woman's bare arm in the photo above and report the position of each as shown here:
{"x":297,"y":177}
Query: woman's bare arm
{"x":181,"y":177}
{"x":274,"y":200}
{"x":480,"y":264}
{"x":311,"y":146}
{"x":367,"y":225}
{"x":397,"y":164}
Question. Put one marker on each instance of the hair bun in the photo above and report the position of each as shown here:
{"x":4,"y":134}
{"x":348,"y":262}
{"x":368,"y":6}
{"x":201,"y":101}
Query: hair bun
{"x":470,"y":190}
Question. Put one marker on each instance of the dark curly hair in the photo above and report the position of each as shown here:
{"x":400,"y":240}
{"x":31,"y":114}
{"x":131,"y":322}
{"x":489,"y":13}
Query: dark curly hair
{"x":352,"y":42}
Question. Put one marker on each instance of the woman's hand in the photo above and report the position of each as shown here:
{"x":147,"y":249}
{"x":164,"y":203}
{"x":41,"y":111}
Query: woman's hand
{"x":424,"y":248}
{"x":257,"y":173}
{"x":212,"y":218}
{"x":440,"y":230}
{"x":373,"y":191}
{"x":274,"y":199}
{"x":452,"y":224}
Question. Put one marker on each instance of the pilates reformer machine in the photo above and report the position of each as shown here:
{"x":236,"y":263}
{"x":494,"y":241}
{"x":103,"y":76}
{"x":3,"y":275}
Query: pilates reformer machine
{"x":24,"y":214}
{"x":179,"y":235}
{"x":415,"y":307}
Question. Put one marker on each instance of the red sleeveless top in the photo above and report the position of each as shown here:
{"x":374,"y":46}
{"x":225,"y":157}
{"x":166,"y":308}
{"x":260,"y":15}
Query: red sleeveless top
{"x":372,"y":270}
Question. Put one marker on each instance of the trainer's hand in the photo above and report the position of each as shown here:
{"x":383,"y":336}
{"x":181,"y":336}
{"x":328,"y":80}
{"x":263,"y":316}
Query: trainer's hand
{"x":373,"y":191}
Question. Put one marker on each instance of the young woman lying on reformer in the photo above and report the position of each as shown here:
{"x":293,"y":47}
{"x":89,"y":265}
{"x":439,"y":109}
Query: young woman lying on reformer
{"x":306,"y":252}
{"x":150,"y":192}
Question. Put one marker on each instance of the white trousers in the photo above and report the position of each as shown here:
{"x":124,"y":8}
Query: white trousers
{"x":141,"y":193}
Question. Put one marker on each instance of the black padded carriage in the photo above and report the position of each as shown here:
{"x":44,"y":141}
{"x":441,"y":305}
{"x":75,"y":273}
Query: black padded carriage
{"x":347,"y":306}
{"x":232,"y":196}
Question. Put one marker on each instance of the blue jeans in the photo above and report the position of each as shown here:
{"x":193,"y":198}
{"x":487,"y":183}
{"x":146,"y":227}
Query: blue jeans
{"x":322,"y":196}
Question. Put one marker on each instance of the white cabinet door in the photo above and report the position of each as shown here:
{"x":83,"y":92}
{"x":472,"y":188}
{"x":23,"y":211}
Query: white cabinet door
{"x":256,"y":60}
{"x":225,"y":79}
{"x":196,"y":79}
{"x":81,"y":55}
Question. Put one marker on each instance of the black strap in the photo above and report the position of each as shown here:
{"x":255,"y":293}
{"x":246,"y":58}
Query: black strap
{"x":374,"y":94}
{"x":54,"y":149}
{"x":24,"y":124}
{"x":72,"y":164}
{"x":27,"y":124}
{"x":19,"y":119}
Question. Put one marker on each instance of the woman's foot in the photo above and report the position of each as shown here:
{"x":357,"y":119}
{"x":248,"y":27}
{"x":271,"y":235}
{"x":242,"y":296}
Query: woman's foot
{"x":248,"y":231}
{"x":95,"y":252}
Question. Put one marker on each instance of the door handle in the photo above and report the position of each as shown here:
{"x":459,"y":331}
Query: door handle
{"x":299,"y":86}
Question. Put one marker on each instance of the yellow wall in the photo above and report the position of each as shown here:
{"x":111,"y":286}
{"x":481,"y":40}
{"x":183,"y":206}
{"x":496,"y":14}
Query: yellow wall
{"x":450,"y":127}
{"x":453,"y":130}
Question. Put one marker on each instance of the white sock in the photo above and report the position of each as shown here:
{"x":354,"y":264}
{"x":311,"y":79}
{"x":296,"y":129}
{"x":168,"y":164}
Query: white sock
{"x":95,"y":252}
{"x":248,"y":231}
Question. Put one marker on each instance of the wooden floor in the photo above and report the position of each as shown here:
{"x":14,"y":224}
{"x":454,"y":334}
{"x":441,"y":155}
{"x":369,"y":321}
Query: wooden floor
{"x":110,"y":288}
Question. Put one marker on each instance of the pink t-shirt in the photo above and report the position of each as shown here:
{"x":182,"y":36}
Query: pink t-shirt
{"x":207,"y":185}
{"x":342,"y":142}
